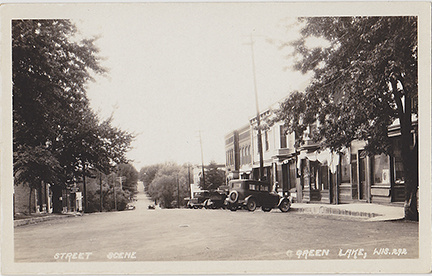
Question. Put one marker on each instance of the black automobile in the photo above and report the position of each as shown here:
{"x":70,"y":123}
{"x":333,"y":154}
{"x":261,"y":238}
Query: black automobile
{"x":197,"y":202}
{"x":251,"y":194}
{"x":216,"y":199}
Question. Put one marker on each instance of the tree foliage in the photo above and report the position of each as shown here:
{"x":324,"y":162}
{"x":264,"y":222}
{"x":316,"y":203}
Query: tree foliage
{"x":148,"y":173}
{"x":214,"y":177}
{"x":130,"y":175}
{"x":110,"y":182}
{"x":169,"y":183}
{"x":56,"y":135}
{"x":364,"y":79}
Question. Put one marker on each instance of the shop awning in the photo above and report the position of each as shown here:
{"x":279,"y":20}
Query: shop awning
{"x":325,"y":157}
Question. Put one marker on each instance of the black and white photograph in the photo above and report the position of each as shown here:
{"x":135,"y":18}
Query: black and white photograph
{"x":216,"y":138}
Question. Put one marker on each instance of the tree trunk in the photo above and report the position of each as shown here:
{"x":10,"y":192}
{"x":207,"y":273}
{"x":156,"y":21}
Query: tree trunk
{"x":410,"y":163}
{"x":100,"y":191}
{"x":409,"y":150}
{"x":57,"y":203}
{"x":30,"y":196}
{"x":39,"y":197}
{"x":409,"y":154}
{"x":84,"y":190}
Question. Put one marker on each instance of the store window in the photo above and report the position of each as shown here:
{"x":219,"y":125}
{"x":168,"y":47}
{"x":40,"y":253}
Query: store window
{"x":292,"y":174}
{"x":314,"y":175}
{"x":381,"y":170}
{"x":318,"y":176}
{"x":305,"y":173}
{"x":354,"y":175}
{"x":283,"y":137}
{"x":345,"y":168}
{"x":324,"y":177}
{"x":354,"y":168}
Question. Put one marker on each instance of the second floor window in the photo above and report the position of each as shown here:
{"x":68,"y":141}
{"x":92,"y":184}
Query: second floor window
{"x":283,"y":138}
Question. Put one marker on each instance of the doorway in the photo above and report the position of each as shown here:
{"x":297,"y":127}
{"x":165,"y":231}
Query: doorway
{"x":362,"y":176}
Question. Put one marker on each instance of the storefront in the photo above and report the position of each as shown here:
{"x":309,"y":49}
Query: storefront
{"x":317,"y":175}
{"x":371,"y":178}
{"x":288,"y":178}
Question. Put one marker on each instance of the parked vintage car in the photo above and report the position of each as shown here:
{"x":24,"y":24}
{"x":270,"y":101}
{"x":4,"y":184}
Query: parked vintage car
{"x":197,"y":202}
{"x":216,"y":199}
{"x":250,"y":194}
{"x":212,"y":199}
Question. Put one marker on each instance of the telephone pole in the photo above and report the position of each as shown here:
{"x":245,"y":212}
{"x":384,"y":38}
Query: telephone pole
{"x":259,"y":138}
{"x":202,"y":161}
{"x":189,"y":179}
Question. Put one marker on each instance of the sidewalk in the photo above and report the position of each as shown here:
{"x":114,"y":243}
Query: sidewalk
{"x":364,"y":211}
{"x":47,"y":217}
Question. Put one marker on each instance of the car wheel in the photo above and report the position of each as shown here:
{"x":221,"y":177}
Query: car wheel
{"x":233,"y":196}
{"x":251,"y":204}
{"x":206,"y":204}
{"x":284,"y":206}
{"x":266,"y":209}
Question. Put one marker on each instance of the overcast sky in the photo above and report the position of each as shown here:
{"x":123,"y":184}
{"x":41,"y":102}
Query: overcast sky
{"x":178,"y":69}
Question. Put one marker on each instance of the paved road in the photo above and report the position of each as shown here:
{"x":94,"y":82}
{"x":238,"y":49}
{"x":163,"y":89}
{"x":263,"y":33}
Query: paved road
{"x":187,"y":234}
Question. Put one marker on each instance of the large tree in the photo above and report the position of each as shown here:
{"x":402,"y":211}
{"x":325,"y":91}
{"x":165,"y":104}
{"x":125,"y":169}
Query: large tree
{"x":364,"y":79}
{"x":214,"y":177}
{"x":49,"y":73}
{"x":56,"y":135}
{"x":170,"y":183}
{"x":130,"y":177}
{"x":147,"y":174}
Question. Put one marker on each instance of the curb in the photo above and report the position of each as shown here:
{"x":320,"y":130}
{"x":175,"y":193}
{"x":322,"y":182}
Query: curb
{"x":27,"y":221}
{"x":322,"y":210}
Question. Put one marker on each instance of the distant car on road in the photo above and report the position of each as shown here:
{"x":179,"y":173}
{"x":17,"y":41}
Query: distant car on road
{"x":251,"y":194}
{"x":130,"y":206}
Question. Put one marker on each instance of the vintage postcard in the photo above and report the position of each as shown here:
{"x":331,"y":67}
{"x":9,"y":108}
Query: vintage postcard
{"x":216,"y":138}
